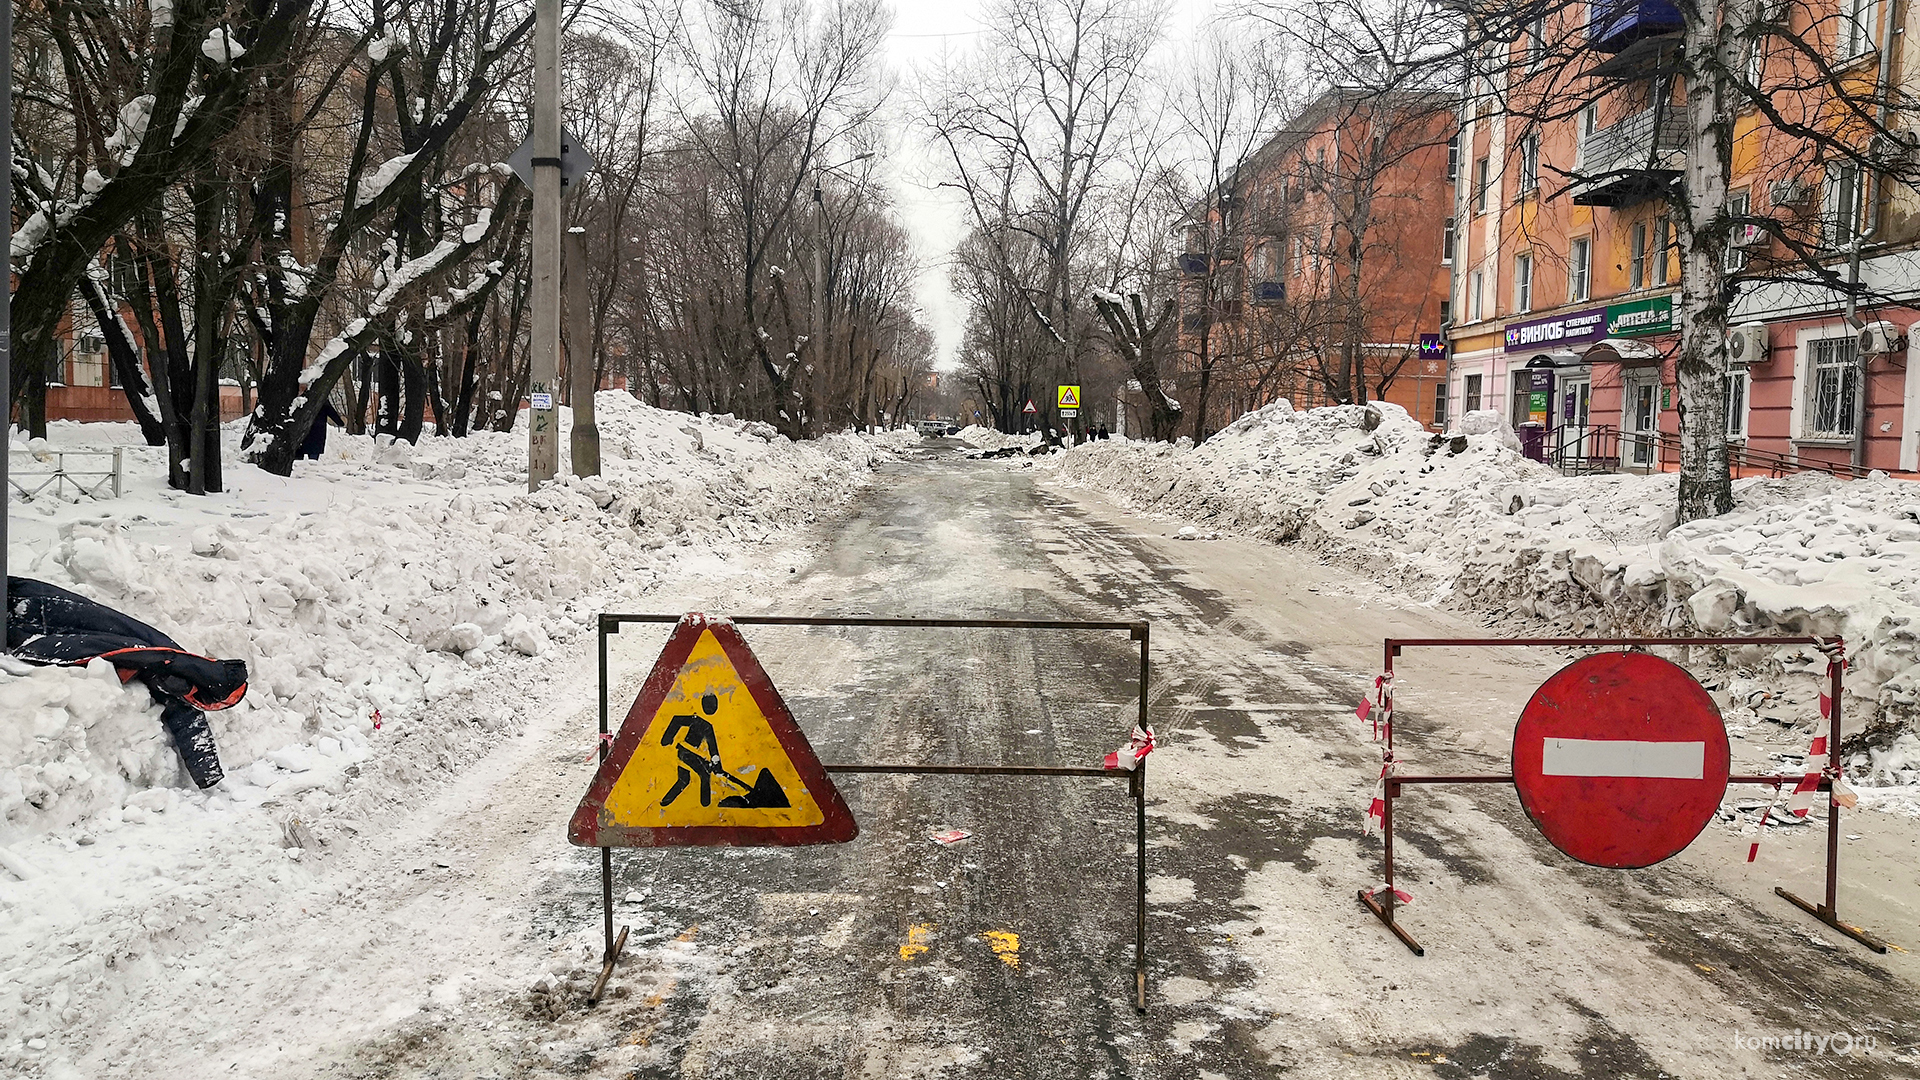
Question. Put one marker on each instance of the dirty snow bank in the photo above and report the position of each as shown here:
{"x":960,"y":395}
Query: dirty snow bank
{"x":1479,"y":524}
{"x":385,"y":579}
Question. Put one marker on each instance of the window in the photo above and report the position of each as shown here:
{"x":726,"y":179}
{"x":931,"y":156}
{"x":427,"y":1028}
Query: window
{"x":1473,"y":296}
{"x":1735,"y":400}
{"x":1854,"y":35}
{"x":1579,"y":269}
{"x":1471,"y":399}
{"x":1842,"y":203}
{"x":1589,"y":123}
{"x":1440,"y":404}
{"x":1523,"y":282}
{"x":1529,"y":164}
{"x":1537,"y":42}
{"x":1446,"y":243}
{"x":1446,"y":313}
{"x":1480,"y":186}
{"x":1453,"y":157}
{"x":1739,"y":234}
{"x":1296,"y":256}
{"x":1832,"y":383}
{"x":1662,"y":241}
{"x":1637,"y":257}
{"x":1756,"y":60}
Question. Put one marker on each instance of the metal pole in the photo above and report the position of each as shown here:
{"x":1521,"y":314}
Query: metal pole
{"x":543,"y":446}
{"x":1833,"y":804}
{"x":582,"y":382}
{"x":1141,"y":633}
{"x":6,"y":310}
{"x":606,"y":854}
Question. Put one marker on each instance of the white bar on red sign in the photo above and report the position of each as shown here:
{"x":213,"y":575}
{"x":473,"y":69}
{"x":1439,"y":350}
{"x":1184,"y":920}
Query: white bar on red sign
{"x":1623,"y":757}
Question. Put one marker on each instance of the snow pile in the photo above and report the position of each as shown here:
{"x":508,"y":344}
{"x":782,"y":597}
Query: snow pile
{"x":986,"y":438}
{"x":372,"y":592}
{"x":1468,"y":515}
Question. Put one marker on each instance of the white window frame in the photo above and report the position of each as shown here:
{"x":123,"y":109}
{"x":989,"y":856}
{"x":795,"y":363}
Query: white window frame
{"x":1823,"y":352}
{"x":1475,"y":281}
{"x":1580,"y":269}
{"x":1737,"y":399}
{"x":1448,"y":238}
{"x":1854,"y":22}
{"x":1481,"y":182}
{"x":1637,"y":255}
{"x":1523,"y":282}
{"x":1471,"y":391}
{"x":1842,"y":186}
{"x":1529,"y":165}
{"x":1734,"y":259}
{"x":1440,"y":404}
{"x":1453,"y":157}
{"x":1662,"y":241}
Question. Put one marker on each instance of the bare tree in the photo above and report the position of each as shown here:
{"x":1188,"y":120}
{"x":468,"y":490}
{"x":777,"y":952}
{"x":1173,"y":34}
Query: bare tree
{"x":1031,"y":123}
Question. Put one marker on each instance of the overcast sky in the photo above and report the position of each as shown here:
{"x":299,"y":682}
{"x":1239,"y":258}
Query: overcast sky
{"x":924,"y":30}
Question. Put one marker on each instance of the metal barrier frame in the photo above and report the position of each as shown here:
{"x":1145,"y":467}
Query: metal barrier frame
{"x":609,"y":625}
{"x":1382,"y":906}
{"x":112,"y":478}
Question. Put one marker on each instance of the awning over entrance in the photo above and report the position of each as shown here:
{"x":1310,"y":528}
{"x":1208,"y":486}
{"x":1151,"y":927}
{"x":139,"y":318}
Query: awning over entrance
{"x":1616,"y":350}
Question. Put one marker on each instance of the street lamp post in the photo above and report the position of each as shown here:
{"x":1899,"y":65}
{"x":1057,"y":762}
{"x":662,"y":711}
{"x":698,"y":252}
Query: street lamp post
{"x":816,"y":331}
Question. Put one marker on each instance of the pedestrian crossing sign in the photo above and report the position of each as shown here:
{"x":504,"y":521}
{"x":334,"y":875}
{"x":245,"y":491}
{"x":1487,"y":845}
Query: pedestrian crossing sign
{"x":1069,"y":397}
{"x":709,"y":755}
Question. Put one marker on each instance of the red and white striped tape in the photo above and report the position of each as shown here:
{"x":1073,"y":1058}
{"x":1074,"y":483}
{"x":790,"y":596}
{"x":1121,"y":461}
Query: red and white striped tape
{"x":1377,"y":809}
{"x":1822,"y":760}
{"x":1399,"y":894}
{"x":1129,"y":755}
{"x":1380,"y":708}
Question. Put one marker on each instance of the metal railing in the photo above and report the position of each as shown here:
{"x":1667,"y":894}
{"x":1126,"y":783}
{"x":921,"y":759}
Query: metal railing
{"x":1630,"y":154}
{"x":92,"y":483}
{"x":1601,"y":448}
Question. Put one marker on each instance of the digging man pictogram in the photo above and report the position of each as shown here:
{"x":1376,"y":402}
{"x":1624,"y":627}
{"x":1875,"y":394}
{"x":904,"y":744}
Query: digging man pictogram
{"x":763,"y":793}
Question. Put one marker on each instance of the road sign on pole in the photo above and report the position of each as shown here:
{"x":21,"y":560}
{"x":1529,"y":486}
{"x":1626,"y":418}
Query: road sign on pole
{"x":1029,"y":410}
{"x":708,"y":756}
{"x":1069,"y":397}
{"x":1621,"y":759}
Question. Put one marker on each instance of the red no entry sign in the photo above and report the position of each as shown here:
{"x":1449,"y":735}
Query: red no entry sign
{"x":1620,"y":759}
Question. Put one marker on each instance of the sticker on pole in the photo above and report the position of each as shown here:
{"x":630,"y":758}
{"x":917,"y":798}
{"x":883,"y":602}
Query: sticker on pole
{"x":1620,"y":759}
{"x":1069,"y":397}
{"x":709,"y":755}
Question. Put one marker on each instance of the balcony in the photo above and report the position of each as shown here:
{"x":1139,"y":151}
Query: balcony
{"x":1269,"y":292}
{"x":1191,"y":263}
{"x":1637,"y":159}
{"x":1617,"y":24}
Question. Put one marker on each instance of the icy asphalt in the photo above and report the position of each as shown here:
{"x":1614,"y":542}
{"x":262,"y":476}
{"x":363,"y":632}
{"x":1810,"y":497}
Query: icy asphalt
{"x":1009,"y":953}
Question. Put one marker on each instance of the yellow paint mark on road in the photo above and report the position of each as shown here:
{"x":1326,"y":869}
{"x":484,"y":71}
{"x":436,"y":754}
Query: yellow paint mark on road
{"x":1005,"y":945}
{"x":1704,"y":968}
{"x":917,"y":936}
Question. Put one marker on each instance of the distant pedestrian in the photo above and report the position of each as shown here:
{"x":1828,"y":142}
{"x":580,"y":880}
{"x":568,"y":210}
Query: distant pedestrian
{"x":316,"y":441}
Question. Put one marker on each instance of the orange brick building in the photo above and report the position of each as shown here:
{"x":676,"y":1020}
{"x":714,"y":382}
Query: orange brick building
{"x":1324,"y":250}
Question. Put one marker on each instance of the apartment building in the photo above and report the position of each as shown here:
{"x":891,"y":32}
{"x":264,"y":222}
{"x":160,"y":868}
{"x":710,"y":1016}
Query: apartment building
{"x":1325,"y":244}
{"x":1567,"y":276}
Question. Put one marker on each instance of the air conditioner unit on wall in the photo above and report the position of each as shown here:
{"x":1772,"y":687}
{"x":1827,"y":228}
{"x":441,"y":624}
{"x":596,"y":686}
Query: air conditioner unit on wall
{"x":1789,"y":192}
{"x":1747,"y":343}
{"x":1880,"y":337}
{"x":1894,"y":148}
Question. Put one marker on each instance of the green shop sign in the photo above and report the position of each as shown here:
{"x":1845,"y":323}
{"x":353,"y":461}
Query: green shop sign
{"x":1652,"y":316}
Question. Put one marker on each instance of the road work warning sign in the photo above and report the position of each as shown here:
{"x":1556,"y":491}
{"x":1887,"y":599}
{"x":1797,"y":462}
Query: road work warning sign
{"x":709,"y":755}
{"x":1069,"y":397}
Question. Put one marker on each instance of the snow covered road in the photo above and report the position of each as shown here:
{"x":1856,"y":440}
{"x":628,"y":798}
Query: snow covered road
{"x":457,"y":937}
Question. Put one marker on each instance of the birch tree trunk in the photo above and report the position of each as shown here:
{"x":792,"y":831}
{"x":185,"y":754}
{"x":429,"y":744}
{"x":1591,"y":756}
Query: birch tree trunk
{"x":1701,"y":224}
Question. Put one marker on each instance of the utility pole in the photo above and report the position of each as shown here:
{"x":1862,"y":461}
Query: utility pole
{"x":581,"y":381}
{"x":543,"y":419}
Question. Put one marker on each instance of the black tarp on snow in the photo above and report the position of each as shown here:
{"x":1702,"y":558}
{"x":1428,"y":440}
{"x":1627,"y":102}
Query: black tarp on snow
{"x":49,"y":625}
